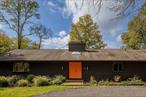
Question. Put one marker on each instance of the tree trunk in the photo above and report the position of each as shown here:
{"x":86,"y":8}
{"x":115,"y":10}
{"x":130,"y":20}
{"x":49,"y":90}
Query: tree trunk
{"x":19,"y":32}
{"x":19,"y":41}
{"x":40,"y":42}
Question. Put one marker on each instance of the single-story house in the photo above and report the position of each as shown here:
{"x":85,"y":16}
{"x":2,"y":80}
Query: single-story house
{"x":75,"y":63}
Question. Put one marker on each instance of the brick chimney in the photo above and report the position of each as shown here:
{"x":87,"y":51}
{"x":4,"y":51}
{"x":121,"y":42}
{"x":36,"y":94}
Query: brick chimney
{"x":76,"y":46}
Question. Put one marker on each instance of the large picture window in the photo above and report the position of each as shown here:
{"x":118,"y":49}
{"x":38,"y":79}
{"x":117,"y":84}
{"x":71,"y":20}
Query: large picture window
{"x":117,"y":67}
{"x":21,"y":67}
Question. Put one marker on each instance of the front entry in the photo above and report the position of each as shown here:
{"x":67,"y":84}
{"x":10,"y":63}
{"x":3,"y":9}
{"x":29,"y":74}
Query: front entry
{"x":75,"y":70}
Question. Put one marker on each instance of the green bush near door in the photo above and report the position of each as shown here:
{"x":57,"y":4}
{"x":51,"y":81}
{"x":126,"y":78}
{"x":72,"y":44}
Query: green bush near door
{"x":41,"y":81}
{"x":57,"y":80}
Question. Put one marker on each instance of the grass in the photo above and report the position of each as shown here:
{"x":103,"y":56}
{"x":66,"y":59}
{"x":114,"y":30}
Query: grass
{"x":30,"y":91}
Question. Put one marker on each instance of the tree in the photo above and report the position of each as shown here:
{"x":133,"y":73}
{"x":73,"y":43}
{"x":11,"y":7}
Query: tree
{"x":29,"y":44}
{"x":135,"y":38}
{"x":26,"y":44}
{"x":41,"y":32}
{"x":34,"y":45}
{"x":6,"y":43}
{"x":16,"y":14}
{"x":86,"y":32}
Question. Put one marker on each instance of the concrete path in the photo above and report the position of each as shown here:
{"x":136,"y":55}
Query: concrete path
{"x":113,"y":91}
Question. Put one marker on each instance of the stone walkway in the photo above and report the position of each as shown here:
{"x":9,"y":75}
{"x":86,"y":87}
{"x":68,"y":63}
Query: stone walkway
{"x":112,"y":91}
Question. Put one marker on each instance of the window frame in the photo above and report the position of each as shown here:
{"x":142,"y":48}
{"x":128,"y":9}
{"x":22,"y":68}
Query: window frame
{"x":25,"y":65}
{"x":118,"y":70}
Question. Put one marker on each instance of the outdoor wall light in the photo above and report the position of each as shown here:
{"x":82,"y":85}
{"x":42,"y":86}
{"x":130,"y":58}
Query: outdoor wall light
{"x":62,"y":67}
{"x":87,"y":67}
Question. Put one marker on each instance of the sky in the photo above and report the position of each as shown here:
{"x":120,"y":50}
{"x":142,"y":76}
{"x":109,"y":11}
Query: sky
{"x":60,"y":14}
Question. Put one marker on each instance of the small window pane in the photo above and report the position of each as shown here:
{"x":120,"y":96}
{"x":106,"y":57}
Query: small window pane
{"x":117,"y":67}
{"x":21,"y":67}
{"x":120,"y":67}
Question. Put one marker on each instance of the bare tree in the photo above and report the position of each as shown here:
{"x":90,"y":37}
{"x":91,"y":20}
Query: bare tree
{"x":41,"y":32}
{"x":16,"y":14}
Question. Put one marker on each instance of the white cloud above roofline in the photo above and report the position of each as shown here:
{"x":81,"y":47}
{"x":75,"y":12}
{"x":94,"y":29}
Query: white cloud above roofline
{"x":57,"y":42}
{"x":118,"y":38}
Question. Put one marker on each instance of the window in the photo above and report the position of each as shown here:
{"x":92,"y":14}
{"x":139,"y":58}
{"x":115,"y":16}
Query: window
{"x":117,"y":67}
{"x":21,"y":67}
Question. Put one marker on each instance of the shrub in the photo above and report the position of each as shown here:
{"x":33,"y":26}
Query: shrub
{"x":3,"y":81}
{"x":13,"y":79}
{"x":22,"y":83}
{"x":41,"y":81}
{"x":30,"y":77}
{"x":92,"y":80}
{"x":104,"y":83}
{"x":117,"y":78}
{"x":135,"y":80}
{"x":92,"y":77}
{"x":58,"y":79}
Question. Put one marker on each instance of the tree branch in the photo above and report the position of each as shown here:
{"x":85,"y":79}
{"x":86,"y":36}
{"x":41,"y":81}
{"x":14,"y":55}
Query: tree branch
{"x":27,"y":34}
{"x":7,"y":22}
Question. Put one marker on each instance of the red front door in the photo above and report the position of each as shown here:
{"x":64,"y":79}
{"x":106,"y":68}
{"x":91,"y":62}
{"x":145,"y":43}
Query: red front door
{"x":75,"y":70}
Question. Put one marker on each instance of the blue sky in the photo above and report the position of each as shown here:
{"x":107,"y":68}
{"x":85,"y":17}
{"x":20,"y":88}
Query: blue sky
{"x":60,"y":14}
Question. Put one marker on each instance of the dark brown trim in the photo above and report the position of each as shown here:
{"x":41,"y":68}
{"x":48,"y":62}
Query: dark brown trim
{"x":73,"y":60}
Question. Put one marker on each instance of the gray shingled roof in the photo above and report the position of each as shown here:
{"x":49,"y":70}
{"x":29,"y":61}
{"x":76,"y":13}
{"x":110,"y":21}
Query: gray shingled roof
{"x":65,"y":55}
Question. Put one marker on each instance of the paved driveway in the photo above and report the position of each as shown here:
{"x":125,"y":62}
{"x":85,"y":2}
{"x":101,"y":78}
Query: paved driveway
{"x":114,"y":91}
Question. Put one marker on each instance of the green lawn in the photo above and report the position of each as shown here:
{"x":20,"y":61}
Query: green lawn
{"x":30,"y":91}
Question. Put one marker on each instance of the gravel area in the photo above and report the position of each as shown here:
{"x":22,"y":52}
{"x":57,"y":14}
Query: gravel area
{"x":109,"y":91}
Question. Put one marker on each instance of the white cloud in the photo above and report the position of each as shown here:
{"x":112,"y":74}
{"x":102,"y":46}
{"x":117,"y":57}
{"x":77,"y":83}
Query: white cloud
{"x":118,"y":38}
{"x":55,"y":5}
{"x":113,"y":32}
{"x":114,"y":43}
{"x":62,"y":33}
{"x":103,"y":18}
{"x":111,"y":45}
{"x":51,"y":4}
{"x":1,"y":27}
{"x":59,"y":42}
